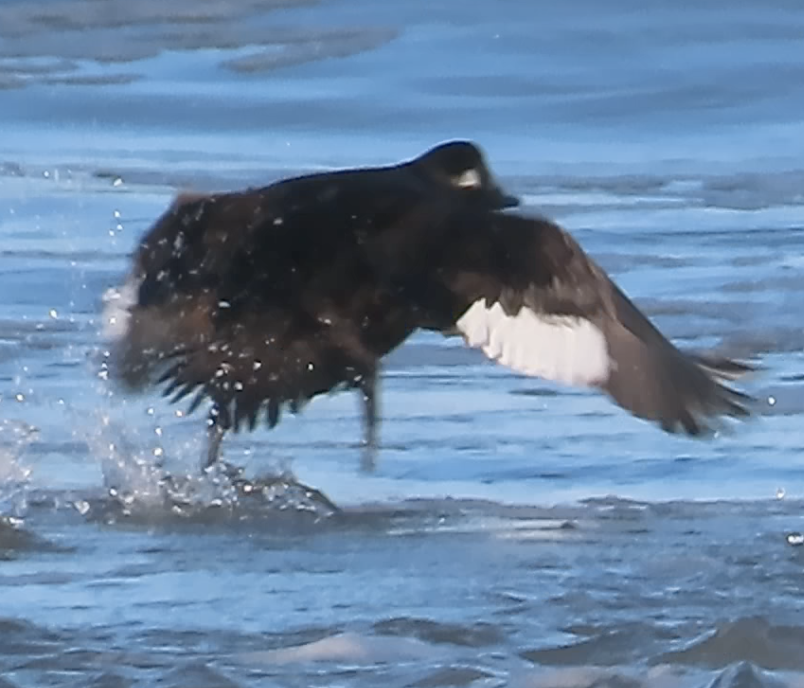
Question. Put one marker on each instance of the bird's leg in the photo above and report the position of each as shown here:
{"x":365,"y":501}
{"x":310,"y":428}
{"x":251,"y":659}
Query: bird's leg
{"x":216,"y":428}
{"x":370,"y":404}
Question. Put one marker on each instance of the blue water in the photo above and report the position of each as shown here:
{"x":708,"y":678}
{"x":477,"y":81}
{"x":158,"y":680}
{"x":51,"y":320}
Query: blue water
{"x":514,"y":533}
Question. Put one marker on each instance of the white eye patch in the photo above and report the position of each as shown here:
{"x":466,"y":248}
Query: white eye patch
{"x":468,"y":180}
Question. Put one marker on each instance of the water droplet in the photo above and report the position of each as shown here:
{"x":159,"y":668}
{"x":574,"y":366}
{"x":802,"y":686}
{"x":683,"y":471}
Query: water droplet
{"x":82,"y":507}
{"x":118,"y":181}
{"x":772,"y":401}
{"x":54,"y":313}
{"x":117,"y":213}
{"x":795,"y":539}
{"x":158,"y":431}
{"x":19,"y":396}
{"x":780,"y":493}
{"x":150,"y":411}
{"x":158,"y":451}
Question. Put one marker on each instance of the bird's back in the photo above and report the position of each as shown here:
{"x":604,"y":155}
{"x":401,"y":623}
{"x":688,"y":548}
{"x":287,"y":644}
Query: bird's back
{"x":276,"y":294}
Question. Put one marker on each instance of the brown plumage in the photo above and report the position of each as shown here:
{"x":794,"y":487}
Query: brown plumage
{"x":530,"y":265}
{"x":263,"y":299}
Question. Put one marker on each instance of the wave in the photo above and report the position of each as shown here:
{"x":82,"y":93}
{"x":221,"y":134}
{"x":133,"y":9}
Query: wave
{"x":754,"y":640}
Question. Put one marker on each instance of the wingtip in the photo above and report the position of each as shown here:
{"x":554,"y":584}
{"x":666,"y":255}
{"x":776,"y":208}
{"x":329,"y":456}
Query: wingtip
{"x":728,"y":404}
{"x":725,"y":368}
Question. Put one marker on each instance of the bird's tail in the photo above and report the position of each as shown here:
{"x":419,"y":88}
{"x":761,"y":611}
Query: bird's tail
{"x":140,"y":339}
{"x":127,"y":363}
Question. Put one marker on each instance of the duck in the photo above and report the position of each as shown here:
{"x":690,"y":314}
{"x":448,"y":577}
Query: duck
{"x":262,"y":299}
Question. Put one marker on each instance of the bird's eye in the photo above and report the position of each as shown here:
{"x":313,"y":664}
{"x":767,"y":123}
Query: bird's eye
{"x":470,"y":179}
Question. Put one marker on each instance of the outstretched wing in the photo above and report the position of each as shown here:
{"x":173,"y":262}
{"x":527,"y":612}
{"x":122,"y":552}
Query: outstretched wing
{"x":532,"y":300}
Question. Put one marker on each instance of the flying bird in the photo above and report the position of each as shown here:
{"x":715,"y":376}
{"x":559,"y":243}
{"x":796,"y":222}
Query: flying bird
{"x":260,"y":300}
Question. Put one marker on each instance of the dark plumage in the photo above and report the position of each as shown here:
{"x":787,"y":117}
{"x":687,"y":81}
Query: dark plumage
{"x":263,"y":299}
{"x":525,"y":292}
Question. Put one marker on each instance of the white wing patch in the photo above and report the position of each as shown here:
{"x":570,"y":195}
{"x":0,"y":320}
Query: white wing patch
{"x":564,"y":349}
{"x":116,"y":305}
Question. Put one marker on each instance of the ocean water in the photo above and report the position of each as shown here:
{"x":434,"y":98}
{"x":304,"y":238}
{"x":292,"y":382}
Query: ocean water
{"x":514,"y":533}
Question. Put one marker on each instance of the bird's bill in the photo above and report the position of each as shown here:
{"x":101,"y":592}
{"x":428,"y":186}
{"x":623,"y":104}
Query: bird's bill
{"x":499,"y":200}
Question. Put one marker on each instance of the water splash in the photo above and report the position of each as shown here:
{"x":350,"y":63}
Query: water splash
{"x":15,"y":436}
{"x":141,"y":488}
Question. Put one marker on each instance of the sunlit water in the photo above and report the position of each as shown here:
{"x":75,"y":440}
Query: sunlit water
{"x":514,"y":533}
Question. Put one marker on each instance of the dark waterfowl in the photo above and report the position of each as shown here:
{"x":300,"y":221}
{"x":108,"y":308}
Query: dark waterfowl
{"x":263,"y":299}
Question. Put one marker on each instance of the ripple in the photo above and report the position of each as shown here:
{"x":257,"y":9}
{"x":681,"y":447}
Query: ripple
{"x":14,"y":539}
{"x":752,"y":639}
{"x":605,"y":647}
{"x":309,"y":46}
{"x":453,"y":676}
{"x":198,"y":675}
{"x":119,"y":32}
{"x":741,"y":675}
{"x":475,"y":635}
{"x":352,"y":648}
{"x":744,"y":675}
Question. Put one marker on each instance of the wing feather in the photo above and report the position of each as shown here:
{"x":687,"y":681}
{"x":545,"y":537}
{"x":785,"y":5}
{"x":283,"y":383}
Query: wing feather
{"x":568,"y":322}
